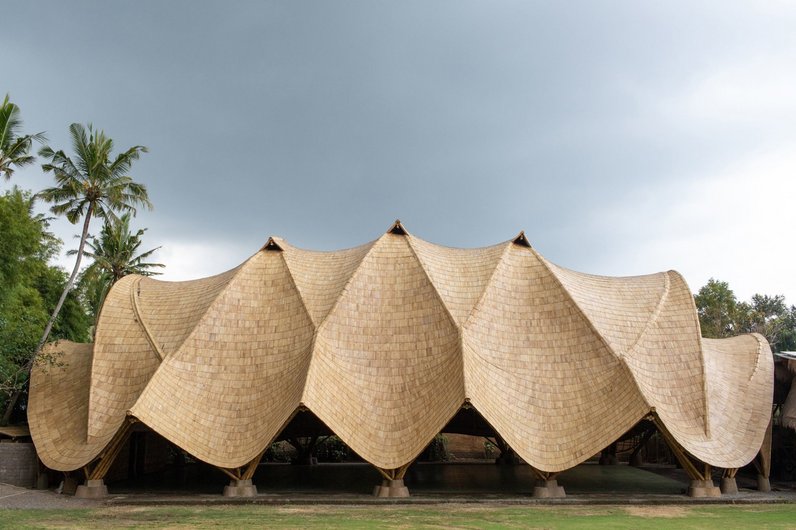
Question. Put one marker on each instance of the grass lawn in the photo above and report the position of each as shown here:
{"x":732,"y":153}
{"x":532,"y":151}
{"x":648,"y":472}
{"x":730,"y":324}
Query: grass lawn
{"x":439,"y":516}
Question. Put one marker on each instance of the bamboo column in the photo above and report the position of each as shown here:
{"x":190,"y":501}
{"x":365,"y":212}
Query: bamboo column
{"x":392,"y":484}
{"x":240,"y":484}
{"x":762,"y":462}
{"x":547,"y":486}
{"x":699,"y":472}
{"x":95,"y":471}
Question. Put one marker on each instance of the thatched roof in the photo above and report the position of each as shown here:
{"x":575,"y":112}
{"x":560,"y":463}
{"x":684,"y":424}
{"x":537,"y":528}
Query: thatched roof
{"x":386,"y":342}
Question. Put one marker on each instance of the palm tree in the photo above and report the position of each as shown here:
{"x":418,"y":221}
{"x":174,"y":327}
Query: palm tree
{"x":95,"y":184}
{"x":115,"y":255}
{"x":14,"y":149}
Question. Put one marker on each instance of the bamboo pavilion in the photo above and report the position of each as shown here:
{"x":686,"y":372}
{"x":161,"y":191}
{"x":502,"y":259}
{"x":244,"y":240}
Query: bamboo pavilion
{"x":385,"y":343}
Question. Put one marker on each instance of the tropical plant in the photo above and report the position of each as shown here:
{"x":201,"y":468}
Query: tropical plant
{"x":116,"y":254}
{"x":718,"y":310}
{"x":95,"y":184}
{"x":29,"y":289}
{"x":14,"y":149}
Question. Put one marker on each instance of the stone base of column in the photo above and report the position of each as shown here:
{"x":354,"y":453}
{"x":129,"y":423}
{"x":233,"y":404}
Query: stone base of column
{"x":92,"y":489}
{"x":763,"y":484}
{"x":548,"y":489}
{"x":703,"y":488}
{"x":391,"y":488}
{"x":240,"y":488}
{"x":728,"y":486}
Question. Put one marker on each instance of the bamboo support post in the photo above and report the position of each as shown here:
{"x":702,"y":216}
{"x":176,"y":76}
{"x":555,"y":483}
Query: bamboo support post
{"x":728,"y":485}
{"x":393,"y":483}
{"x":701,"y":479}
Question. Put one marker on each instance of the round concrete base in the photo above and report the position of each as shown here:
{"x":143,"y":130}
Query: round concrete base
{"x":703,"y":488}
{"x":728,"y":486}
{"x":92,"y":489}
{"x":391,"y":488}
{"x":240,"y":488}
{"x":548,"y":489}
{"x":763,"y":484}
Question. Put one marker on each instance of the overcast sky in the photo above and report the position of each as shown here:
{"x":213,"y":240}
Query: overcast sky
{"x":624,"y":137}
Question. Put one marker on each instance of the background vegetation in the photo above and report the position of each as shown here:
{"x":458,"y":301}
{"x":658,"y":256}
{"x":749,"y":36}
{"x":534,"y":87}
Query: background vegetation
{"x":39,"y":301}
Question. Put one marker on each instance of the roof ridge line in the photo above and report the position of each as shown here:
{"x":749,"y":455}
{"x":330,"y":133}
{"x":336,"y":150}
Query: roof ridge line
{"x":589,"y":322}
{"x":667,"y":284}
{"x":213,"y":302}
{"x":283,"y":251}
{"x":506,"y":247}
{"x":345,"y":287}
{"x":135,"y":289}
{"x":409,"y":239}
{"x":695,"y":318}
{"x":282,"y":254}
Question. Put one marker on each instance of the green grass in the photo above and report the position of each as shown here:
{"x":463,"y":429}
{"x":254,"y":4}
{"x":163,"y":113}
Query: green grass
{"x":439,"y":516}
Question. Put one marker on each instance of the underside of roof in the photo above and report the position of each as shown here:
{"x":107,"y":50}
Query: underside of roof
{"x":387,"y":341}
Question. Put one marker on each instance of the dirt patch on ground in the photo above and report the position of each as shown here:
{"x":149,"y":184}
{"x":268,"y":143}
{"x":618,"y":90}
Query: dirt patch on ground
{"x":658,"y":511}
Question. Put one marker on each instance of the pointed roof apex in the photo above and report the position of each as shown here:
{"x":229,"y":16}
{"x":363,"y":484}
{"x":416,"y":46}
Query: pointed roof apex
{"x":521,"y":240}
{"x":272,"y":245}
{"x":397,"y":228}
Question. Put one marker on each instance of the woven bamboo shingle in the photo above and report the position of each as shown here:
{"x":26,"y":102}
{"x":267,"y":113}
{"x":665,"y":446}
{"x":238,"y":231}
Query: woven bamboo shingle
{"x":58,"y":408}
{"x":385,"y":342}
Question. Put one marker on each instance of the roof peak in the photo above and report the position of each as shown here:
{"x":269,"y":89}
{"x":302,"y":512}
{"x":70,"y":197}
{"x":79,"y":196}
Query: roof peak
{"x":398,"y":229}
{"x":272,"y":245}
{"x":521,"y":240}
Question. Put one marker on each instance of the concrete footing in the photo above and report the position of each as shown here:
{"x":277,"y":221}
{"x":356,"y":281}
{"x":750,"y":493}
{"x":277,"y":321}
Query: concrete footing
{"x":703,"y":488}
{"x":548,"y":489}
{"x":763,"y":484}
{"x":391,"y":488}
{"x":92,"y":489}
{"x":728,"y":486}
{"x":240,"y":488}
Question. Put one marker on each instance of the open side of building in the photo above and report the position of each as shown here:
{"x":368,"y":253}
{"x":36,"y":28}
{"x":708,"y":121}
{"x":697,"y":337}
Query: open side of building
{"x":385,"y":343}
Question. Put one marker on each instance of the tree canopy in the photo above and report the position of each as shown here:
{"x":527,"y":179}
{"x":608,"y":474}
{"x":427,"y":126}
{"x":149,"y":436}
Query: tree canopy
{"x":14,"y":146}
{"x":95,"y":183}
{"x":722,"y":315}
{"x":29,"y":289}
{"x":115,"y":254}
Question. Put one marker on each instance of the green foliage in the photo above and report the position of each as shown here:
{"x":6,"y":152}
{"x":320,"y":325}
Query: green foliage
{"x":436,"y":451}
{"x":14,"y":147}
{"x":29,"y":289}
{"x":25,"y":242}
{"x":116,"y":254}
{"x":478,"y":515}
{"x":332,"y":449}
{"x":722,"y":315}
{"x":718,"y":310}
{"x":96,"y":182}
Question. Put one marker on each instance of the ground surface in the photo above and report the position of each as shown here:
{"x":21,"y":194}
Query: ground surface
{"x":443,"y":496}
{"x":440,"y":516}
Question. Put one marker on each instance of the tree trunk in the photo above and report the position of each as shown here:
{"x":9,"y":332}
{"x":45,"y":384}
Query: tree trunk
{"x":29,"y":365}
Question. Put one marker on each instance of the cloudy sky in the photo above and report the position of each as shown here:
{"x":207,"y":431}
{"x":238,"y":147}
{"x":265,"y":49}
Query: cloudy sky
{"x":623,"y":137}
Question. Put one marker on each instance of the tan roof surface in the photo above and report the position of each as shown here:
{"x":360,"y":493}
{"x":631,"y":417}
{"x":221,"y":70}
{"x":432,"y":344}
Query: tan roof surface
{"x":386,"y":341}
{"x":58,"y":409}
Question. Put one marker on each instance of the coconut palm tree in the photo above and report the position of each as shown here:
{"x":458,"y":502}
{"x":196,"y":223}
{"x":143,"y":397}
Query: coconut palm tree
{"x":115,"y":255}
{"x":14,"y":149}
{"x":94,"y":184}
